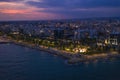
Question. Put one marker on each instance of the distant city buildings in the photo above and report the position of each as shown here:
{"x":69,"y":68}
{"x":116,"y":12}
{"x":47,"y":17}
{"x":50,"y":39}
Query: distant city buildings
{"x":113,"y":39}
{"x":98,"y":32}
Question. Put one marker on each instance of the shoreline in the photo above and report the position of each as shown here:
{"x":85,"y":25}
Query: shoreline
{"x":43,"y":48}
{"x":70,"y":57}
{"x":94,"y":58}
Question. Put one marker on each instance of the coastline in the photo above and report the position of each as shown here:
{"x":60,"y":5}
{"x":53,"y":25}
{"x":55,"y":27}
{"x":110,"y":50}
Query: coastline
{"x":70,"y":57}
{"x":94,"y":58}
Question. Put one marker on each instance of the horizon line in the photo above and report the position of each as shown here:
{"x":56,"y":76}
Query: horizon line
{"x":58,"y":19}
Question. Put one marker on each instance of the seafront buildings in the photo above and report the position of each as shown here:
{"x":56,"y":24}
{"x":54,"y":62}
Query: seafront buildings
{"x":77,"y":36}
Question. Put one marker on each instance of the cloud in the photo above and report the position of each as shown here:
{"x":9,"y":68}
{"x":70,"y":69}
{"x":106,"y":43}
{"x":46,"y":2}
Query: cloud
{"x":53,"y":9}
{"x":75,"y":3}
{"x":79,"y":8}
{"x":10,"y":0}
{"x":83,"y":13}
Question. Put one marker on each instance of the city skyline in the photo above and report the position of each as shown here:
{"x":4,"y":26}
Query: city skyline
{"x":57,"y":9}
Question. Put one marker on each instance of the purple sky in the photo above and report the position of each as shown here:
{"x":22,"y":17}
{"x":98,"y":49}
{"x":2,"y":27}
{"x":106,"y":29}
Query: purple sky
{"x":57,"y":9}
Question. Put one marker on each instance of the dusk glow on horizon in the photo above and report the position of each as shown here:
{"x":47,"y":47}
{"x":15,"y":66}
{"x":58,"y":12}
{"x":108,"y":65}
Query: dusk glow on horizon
{"x":57,"y":9}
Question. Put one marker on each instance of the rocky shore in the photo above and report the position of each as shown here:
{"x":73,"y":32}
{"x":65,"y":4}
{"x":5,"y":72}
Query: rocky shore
{"x":94,"y":58}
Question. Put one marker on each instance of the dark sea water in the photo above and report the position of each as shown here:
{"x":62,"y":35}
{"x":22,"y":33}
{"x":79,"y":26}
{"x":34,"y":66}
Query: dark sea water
{"x":21,"y":63}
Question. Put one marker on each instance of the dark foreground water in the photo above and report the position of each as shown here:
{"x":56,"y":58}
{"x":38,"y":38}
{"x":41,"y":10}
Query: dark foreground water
{"x":21,"y":63}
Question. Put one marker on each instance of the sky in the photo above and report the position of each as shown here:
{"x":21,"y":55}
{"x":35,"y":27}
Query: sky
{"x":57,"y":9}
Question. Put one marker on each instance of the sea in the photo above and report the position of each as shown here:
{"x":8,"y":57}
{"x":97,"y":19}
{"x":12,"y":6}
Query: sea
{"x":23,"y":63}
